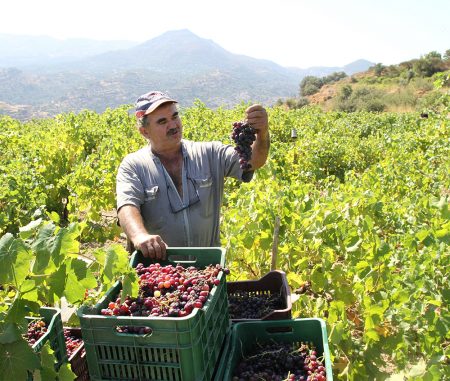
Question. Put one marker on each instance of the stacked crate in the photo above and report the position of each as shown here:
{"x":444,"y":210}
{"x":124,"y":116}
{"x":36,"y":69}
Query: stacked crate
{"x":77,"y":359}
{"x":54,"y":335}
{"x":177,"y":349}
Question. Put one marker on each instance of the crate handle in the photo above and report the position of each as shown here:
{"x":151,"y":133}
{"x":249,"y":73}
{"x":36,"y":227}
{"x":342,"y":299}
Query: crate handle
{"x":119,"y":331}
{"x":180,"y":258}
{"x":281,"y":329}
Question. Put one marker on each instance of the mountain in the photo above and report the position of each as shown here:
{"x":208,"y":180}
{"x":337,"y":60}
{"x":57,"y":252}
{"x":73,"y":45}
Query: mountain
{"x":32,"y":51}
{"x":186,"y":66}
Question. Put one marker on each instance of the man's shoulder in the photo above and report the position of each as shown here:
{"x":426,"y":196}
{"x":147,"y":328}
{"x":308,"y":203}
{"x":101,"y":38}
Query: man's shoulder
{"x":199,"y":147}
{"x":138,"y":156}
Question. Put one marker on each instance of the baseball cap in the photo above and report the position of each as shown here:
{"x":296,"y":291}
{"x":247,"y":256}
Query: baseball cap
{"x":148,"y":102}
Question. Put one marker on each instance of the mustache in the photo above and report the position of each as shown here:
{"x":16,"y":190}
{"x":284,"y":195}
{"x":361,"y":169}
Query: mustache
{"x":173,"y":131}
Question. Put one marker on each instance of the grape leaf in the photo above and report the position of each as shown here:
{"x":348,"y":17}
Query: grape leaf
{"x":21,"y":308}
{"x":41,"y":247}
{"x":14,"y":260}
{"x":27,"y":231}
{"x":9,"y":333}
{"x":83,"y":273}
{"x":15,"y":359}
{"x":116,"y":260}
{"x":129,"y":285}
{"x":29,"y":290}
{"x":65,"y":373}
{"x":74,"y":291}
{"x":111,"y":258}
{"x":65,"y":243}
{"x":47,"y":362}
{"x":57,"y":281}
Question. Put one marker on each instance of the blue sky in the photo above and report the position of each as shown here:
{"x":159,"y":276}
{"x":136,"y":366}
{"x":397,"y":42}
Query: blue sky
{"x":290,"y":32}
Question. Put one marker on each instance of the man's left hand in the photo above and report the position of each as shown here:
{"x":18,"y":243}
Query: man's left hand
{"x":257,"y":118}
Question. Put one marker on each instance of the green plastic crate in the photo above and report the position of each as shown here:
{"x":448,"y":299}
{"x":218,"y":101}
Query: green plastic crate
{"x":219,"y":370}
{"x":54,"y":334}
{"x":177,"y":349}
{"x":245,"y":335}
{"x":193,"y":256}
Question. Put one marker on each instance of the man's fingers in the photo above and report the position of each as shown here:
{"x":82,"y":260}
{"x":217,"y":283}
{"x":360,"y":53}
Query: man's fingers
{"x":157,"y":248}
{"x":153,"y":247}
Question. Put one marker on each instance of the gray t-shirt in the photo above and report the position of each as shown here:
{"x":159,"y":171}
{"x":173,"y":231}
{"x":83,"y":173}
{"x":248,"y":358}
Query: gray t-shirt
{"x":142,"y":181}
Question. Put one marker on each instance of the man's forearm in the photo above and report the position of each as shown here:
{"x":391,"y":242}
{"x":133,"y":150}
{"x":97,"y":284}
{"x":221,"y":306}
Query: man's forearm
{"x":131,"y":221}
{"x":260,"y":150}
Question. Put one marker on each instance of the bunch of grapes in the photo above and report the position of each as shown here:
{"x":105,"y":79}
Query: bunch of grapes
{"x":281,"y":362}
{"x":36,"y":329}
{"x":245,"y":305}
{"x":243,"y":136}
{"x":72,"y":343}
{"x":166,"y":291}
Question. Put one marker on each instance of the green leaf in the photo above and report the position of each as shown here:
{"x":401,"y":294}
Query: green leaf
{"x":57,"y":281}
{"x":21,"y":308}
{"x":48,"y":361}
{"x":382,"y":250}
{"x":42,"y":247}
{"x":29,"y":290}
{"x":65,"y":373}
{"x":65,"y":243}
{"x":110,"y":260}
{"x":443,"y":235}
{"x":9,"y":333}
{"x":14,"y":260}
{"x":129,"y":286}
{"x":337,"y":332}
{"x":54,"y":217}
{"x":422,"y":235}
{"x":355,"y":247}
{"x":27,"y":231}
{"x":74,"y":291}
{"x":372,"y":334}
{"x":318,"y":279}
{"x":80,"y":269}
{"x":15,"y":359}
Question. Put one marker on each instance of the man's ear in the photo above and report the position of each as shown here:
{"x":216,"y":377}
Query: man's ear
{"x":143,"y":132}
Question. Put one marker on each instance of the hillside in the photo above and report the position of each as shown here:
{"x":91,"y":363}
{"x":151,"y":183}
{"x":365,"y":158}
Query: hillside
{"x":408,"y":86}
{"x":179,"y":62}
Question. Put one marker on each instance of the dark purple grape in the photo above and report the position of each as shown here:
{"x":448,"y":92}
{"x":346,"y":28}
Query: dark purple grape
{"x":281,"y":361}
{"x":243,"y":136}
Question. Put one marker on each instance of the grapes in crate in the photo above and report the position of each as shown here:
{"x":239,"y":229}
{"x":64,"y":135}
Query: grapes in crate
{"x":36,"y":329}
{"x":72,"y":342}
{"x":281,"y":362}
{"x":166,"y":291}
{"x":243,"y":136}
{"x":246,"y":305}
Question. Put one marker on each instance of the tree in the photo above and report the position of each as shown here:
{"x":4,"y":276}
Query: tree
{"x":447,"y":55}
{"x":433,"y":54}
{"x":310,"y":85}
{"x":346,"y":92}
{"x":378,"y":69}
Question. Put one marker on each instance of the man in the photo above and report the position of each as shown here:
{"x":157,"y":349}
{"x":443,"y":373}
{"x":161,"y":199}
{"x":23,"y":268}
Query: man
{"x":169,"y":193}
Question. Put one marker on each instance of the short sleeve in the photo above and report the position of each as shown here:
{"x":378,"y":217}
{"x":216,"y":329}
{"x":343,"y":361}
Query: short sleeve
{"x":129,"y":187}
{"x":230,"y":159}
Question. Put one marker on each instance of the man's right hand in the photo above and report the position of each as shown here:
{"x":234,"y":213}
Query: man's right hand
{"x":151,"y":246}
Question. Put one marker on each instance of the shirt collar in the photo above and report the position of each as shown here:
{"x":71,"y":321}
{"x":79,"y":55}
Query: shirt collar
{"x":155,"y":158}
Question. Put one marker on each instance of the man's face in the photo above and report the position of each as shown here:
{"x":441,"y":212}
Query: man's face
{"x":163,"y":127}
